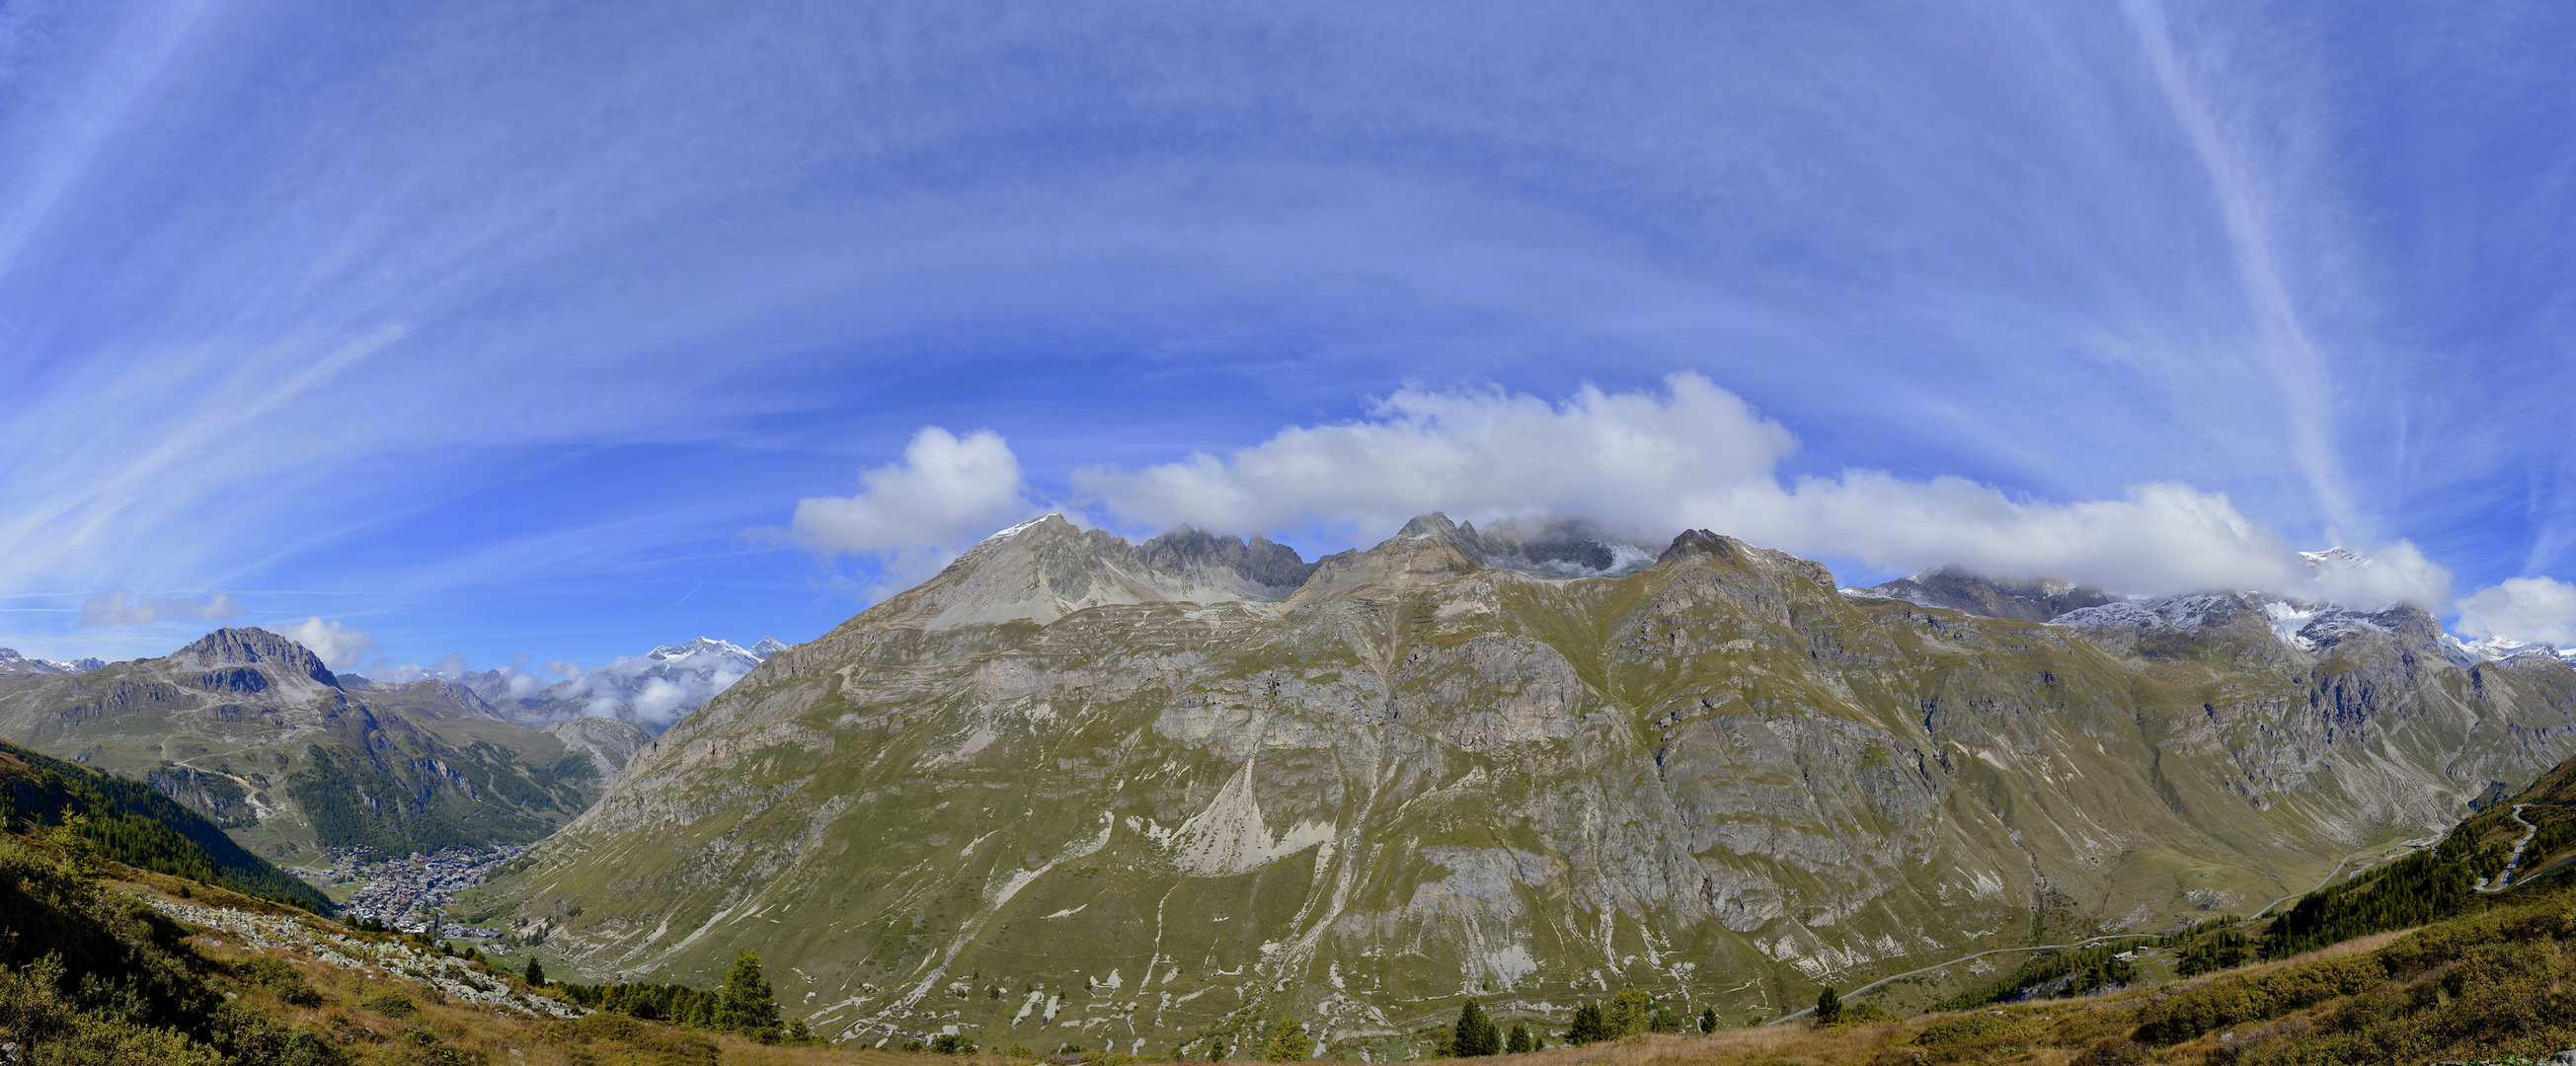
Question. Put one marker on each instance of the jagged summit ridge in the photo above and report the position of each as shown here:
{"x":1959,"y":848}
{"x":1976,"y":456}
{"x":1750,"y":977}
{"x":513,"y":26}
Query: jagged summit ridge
{"x":1045,"y":568}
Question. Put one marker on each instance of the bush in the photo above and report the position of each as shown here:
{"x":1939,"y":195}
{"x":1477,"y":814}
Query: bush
{"x":951,"y":1044}
{"x":392,"y":1005}
{"x":2254,"y":999}
{"x":1631,"y":1012}
{"x":275,"y":975}
{"x":1289,"y":1042}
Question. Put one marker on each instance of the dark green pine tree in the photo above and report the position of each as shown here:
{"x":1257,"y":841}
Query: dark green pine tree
{"x":1829,"y":1007}
{"x":1518,"y":1042}
{"x":747,"y":1005}
{"x":536,"y":973}
{"x":1708,"y":1020}
{"x":1589,"y":1026}
{"x":1475,"y":1034}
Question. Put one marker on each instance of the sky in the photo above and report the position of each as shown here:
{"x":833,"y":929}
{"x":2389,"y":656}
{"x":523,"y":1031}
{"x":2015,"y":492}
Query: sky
{"x":493,"y":333}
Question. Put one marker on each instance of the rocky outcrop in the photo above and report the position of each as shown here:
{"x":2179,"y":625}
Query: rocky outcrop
{"x":1157,"y":810}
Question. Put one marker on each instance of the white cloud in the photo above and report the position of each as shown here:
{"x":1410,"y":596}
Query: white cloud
{"x":338,"y":646}
{"x":122,"y":608}
{"x":2538,"y":610}
{"x":623,"y":689}
{"x":945,"y":491}
{"x":1697,"y":456}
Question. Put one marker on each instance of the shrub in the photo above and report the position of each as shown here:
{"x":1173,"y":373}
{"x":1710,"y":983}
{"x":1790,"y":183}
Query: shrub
{"x":392,"y":1005}
{"x":275,"y":975}
{"x":1289,"y":1042}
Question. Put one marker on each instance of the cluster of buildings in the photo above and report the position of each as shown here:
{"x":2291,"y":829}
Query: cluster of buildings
{"x":409,"y":892}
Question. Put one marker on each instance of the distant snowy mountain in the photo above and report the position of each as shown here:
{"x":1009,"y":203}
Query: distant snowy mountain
{"x":13,"y":664}
{"x":2500,"y":649}
{"x":651,"y":690}
{"x":2302,"y":624}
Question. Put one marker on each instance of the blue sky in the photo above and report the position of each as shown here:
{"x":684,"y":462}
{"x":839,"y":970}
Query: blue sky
{"x":503,"y":330}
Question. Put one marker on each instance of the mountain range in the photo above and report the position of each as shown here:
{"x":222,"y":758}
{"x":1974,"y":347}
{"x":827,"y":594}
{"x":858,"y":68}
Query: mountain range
{"x":1159,"y":793}
{"x":13,"y":664}
{"x":252,"y":731}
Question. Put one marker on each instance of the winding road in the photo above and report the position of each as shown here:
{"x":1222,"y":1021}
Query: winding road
{"x":2504,"y":880}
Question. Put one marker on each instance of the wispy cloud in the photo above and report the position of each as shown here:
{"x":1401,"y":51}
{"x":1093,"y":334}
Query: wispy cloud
{"x":122,"y":608}
{"x":405,"y":303}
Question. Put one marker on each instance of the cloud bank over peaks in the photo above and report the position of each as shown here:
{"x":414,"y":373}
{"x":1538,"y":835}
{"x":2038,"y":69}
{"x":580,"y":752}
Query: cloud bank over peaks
{"x":1694,"y":455}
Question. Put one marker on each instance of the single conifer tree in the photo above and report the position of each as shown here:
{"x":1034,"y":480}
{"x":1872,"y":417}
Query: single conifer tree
{"x":1829,"y":1007}
{"x":1474,"y":1034}
{"x":747,"y":1005}
{"x":536,"y":973}
{"x":1588,"y":1027}
{"x":1518,"y":1043}
{"x":1708,"y":1020}
{"x":1288,"y":1043}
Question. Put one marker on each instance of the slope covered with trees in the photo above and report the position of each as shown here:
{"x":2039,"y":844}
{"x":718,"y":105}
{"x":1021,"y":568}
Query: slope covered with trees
{"x":132,"y":823}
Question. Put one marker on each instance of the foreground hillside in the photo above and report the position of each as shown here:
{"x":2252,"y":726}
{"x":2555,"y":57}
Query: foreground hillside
{"x":1149,"y":796}
{"x":128,"y":821}
{"x":103,"y":963}
{"x":250,"y":730}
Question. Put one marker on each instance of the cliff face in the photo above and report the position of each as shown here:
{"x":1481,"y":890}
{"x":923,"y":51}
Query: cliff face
{"x":1058,"y":786}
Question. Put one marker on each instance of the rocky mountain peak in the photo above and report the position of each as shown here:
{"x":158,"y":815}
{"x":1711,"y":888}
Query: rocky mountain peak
{"x":1559,"y":546}
{"x":1185,"y":550}
{"x":1427,"y":550}
{"x":1046,"y":568}
{"x":1968,"y":592}
{"x":767,"y":647}
{"x":256,"y":649}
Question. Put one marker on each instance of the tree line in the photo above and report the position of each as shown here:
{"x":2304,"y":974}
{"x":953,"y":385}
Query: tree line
{"x":744,"y":1004}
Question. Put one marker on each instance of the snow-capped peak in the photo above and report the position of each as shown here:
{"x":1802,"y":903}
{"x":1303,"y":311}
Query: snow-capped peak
{"x":702,"y":646}
{"x":2500,"y":649}
{"x":2332,"y":559}
{"x":767,"y":647}
{"x":13,"y":663}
